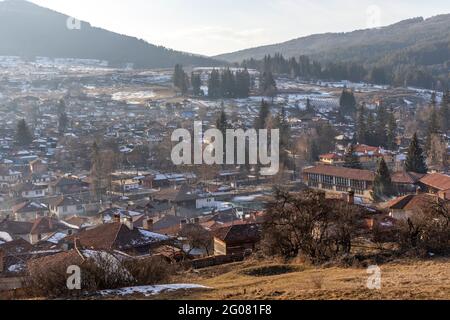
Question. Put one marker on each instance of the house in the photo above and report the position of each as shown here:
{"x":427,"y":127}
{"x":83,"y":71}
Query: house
{"x":341,"y":180}
{"x":67,"y":185}
{"x":436,"y":183}
{"x":14,"y":230}
{"x":64,"y":206}
{"x":30,"y":191}
{"x":368,"y":156}
{"x":38,"y":166}
{"x":119,"y":236}
{"x":236,"y":239}
{"x":406,"y":182}
{"x":405,"y":207}
{"x":8,"y":176}
{"x":332,"y":158}
{"x":45,"y":227}
{"x":29,"y":210}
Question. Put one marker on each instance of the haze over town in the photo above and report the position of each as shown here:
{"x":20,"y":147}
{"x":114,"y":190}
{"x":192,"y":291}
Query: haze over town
{"x":202,"y":27}
{"x":315,"y":168}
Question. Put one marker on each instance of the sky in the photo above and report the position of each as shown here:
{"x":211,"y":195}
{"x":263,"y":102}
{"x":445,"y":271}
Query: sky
{"x":212,"y":27}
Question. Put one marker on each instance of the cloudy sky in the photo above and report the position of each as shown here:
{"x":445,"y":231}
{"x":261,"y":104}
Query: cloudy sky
{"x":212,"y":27}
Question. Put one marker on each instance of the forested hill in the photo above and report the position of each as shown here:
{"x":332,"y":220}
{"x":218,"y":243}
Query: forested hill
{"x":412,"y":52}
{"x":29,"y":30}
{"x":371,"y":45}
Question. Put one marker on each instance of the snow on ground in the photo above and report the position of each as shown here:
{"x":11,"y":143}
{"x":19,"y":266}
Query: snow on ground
{"x":151,"y":236}
{"x":16,"y":268}
{"x":150,"y":290}
{"x":4,"y":236}
{"x":56,"y":237}
{"x":133,"y":96}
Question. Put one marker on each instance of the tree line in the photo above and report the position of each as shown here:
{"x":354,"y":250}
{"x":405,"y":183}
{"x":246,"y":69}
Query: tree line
{"x":221,"y":84}
{"x":384,"y":73}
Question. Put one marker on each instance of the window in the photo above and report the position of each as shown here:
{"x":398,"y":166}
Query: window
{"x":79,"y":207}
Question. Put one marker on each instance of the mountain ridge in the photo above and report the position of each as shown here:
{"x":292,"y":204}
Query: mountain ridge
{"x":39,"y":31}
{"x":320,"y":46}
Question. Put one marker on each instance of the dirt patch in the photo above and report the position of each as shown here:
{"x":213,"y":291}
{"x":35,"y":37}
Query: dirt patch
{"x":268,"y":271}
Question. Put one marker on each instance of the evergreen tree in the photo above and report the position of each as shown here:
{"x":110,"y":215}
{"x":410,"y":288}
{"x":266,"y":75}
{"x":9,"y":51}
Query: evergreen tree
{"x":433,"y":127}
{"x":371,"y":138}
{"x":180,"y":79}
{"x":268,"y":85}
{"x":347,"y":103}
{"x":381,"y":126}
{"x":351,"y":159}
{"x":214,"y":86}
{"x":361,"y":128}
{"x":222,"y":122}
{"x":63,"y":122}
{"x":415,"y":161}
{"x":309,"y":107}
{"x":24,"y":136}
{"x":391,"y":133}
{"x":196,"y":82}
{"x":264,"y":113}
{"x":382,"y":186}
{"x":445,"y":112}
{"x":282,"y":124}
{"x":313,"y":151}
{"x":243,"y":84}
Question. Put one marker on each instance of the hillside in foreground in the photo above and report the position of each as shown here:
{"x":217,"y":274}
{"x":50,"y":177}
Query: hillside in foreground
{"x":405,"y":279}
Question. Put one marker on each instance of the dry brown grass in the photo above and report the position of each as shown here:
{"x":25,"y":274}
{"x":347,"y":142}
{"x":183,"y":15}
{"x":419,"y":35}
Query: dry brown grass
{"x":400,"y":280}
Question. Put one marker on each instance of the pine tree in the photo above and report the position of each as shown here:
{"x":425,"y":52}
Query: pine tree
{"x":444,"y":112}
{"x":415,"y":161}
{"x":268,"y":85}
{"x":391,"y":133}
{"x":63,"y":122}
{"x":347,"y":103}
{"x":371,"y":138}
{"x":214,"y":85}
{"x":309,"y":107}
{"x":23,"y":134}
{"x":180,"y":79}
{"x":433,"y":127}
{"x":382,"y":186}
{"x":361,"y":128}
{"x":351,"y":159}
{"x":96,"y":170}
{"x":380,"y":126}
{"x":313,"y":151}
{"x":264,"y":113}
{"x":282,"y":124}
{"x":196,"y":82}
{"x":222,"y":122}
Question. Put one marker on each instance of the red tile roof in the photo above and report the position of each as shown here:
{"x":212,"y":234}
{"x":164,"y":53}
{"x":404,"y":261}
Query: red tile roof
{"x":412,"y":201}
{"x":437,"y":180}
{"x":354,"y":174}
{"x":406,"y":177}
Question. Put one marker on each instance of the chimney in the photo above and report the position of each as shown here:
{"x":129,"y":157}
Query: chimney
{"x":129,"y":223}
{"x":351,"y":197}
{"x":148,"y":224}
{"x":183,"y":223}
{"x":116,"y":218}
{"x":197,"y":221}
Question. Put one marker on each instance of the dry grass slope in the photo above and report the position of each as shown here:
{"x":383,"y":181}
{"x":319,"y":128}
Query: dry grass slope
{"x":413,"y":280}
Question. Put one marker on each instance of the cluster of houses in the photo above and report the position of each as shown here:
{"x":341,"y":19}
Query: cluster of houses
{"x":49,"y":208}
